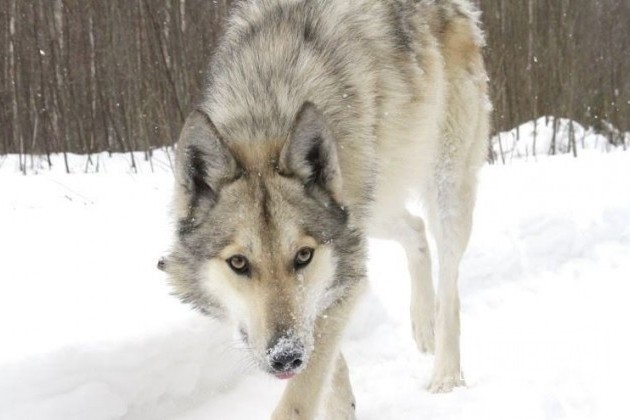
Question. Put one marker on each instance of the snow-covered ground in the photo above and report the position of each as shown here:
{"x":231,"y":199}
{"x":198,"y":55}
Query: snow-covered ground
{"x":158,"y":161}
{"x":535,"y":139}
{"x":89,"y":331}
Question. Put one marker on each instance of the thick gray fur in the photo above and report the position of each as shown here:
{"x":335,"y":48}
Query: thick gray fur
{"x":320,"y":122}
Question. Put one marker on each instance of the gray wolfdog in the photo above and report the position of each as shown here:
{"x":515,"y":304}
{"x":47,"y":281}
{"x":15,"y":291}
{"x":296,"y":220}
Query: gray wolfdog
{"x":319,"y":122}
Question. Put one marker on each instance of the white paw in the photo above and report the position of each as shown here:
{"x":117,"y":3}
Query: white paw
{"x":441,"y":384}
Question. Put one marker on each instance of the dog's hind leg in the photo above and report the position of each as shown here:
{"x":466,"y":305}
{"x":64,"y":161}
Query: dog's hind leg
{"x":451,"y":198}
{"x":450,"y":220}
{"x":412,"y":236}
{"x":409,"y":231}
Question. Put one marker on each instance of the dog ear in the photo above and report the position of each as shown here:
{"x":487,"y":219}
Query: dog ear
{"x":204,"y":163}
{"x":311,"y":152}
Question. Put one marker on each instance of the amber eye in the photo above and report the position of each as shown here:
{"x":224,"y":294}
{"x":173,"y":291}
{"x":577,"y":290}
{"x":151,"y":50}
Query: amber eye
{"x":239,"y":264}
{"x":303,"y":257}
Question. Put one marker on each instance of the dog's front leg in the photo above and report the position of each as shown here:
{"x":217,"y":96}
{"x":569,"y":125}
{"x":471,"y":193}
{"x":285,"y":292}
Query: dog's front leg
{"x":304,"y":393}
{"x":340,"y":403}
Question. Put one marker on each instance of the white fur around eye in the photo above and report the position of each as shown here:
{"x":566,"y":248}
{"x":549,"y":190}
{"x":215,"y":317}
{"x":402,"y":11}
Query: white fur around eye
{"x":218,"y":282}
{"x":319,"y":276}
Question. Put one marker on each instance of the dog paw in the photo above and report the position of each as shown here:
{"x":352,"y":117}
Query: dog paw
{"x":424,"y":336}
{"x":441,"y":384}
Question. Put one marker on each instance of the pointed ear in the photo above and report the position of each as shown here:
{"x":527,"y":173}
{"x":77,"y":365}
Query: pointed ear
{"x":311,"y":153}
{"x":204,"y":163}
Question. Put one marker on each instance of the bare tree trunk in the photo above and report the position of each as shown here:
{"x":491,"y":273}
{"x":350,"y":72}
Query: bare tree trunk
{"x":572,"y":143}
{"x":531,"y":67}
{"x":88,"y":76}
{"x":92,"y":88}
{"x":554,"y":136}
{"x":14,"y":80}
{"x":182,"y":15}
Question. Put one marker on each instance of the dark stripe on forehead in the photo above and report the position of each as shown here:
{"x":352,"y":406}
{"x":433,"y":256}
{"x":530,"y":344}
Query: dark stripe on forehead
{"x":266,"y":215}
{"x":266,"y":224}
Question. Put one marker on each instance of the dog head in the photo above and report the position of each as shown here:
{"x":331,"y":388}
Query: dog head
{"x":263,"y":239}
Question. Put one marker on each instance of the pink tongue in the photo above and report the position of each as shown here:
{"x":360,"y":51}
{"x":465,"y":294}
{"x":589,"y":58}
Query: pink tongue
{"x":286,"y":375}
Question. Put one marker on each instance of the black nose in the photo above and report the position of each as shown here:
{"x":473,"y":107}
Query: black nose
{"x":285,"y":353}
{"x":287,"y":360}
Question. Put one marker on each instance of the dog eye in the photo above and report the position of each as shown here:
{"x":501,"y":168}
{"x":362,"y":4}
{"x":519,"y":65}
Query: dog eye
{"x":303,"y":257}
{"x":239,"y":264}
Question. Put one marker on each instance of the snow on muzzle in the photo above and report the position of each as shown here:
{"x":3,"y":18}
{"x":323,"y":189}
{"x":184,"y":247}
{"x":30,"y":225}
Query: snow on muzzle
{"x":286,"y":356}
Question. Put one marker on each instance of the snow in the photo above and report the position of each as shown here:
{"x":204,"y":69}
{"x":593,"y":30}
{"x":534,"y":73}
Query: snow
{"x":158,"y":160}
{"x":90,"y":331}
{"x":535,"y":139}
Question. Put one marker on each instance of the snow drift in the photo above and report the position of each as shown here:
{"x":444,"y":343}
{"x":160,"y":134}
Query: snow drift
{"x":555,"y":136}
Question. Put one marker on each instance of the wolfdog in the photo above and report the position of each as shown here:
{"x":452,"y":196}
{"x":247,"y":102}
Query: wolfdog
{"x":319,"y":123}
